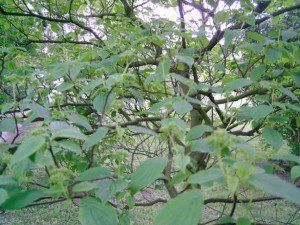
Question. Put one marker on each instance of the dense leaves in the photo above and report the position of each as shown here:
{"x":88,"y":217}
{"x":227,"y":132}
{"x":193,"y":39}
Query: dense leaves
{"x":111,"y":105}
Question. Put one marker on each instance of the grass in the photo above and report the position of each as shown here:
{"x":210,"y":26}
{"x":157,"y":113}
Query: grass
{"x":58,"y":214}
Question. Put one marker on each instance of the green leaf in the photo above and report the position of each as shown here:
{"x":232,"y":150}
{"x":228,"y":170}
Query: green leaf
{"x":188,"y":82}
{"x":103,"y":101}
{"x":103,"y":54}
{"x":8,"y":124}
{"x":272,"y":137}
{"x":164,"y":103}
{"x":222,"y":17}
{"x":64,"y":86}
{"x":69,"y":133}
{"x":255,"y":36}
{"x":296,"y":77}
{"x":108,"y":188}
{"x":186,"y":209}
{"x":6,"y":107}
{"x":260,"y":112}
{"x":256,"y":74}
{"x":198,"y":131}
{"x":181,"y":125}
{"x":297,"y":55}
{"x":272,"y":55}
{"x":179,"y":177}
{"x":7,"y":181}
{"x":3,"y":195}
{"x":275,"y":186}
{"x":94,"y":174}
{"x":182,"y":107}
{"x":147,"y":173}
{"x":200,"y":145}
{"x":232,"y":184}
{"x":141,"y":130}
{"x":185,"y":59}
{"x":81,"y":121}
{"x":288,"y":93}
{"x":226,"y":220}
{"x":199,"y":102}
{"x":295,"y":173}
{"x":124,"y":218}
{"x":90,"y":86}
{"x":39,"y":110}
{"x":243,"y":221}
{"x":163,"y":68}
{"x":109,"y":62}
{"x":84,"y":186}
{"x":250,"y":19}
{"x":181,"y":161}
{"x":293,"y":107}
{"x":237,"y":83}
{"x":56,"y":126}
{"x":71,"y":146}
{"x":72,"y":68}
{"x":205,"y":176}
{"x":288,"y":34}
{"x":21,"y":199}
{"x":27,"y":148}
{"x":287,"y":157}
{"x":229,"y":35}
{"x":96,"y":137}
{"x":93,"y":212}
{"x":161,"y":72}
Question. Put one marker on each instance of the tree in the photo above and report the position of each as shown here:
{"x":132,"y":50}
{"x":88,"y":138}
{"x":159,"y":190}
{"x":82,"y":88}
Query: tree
{"x":118,"y":100}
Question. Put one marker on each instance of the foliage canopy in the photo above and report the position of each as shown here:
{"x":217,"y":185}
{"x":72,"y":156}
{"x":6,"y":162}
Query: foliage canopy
{"x":118,"y":98}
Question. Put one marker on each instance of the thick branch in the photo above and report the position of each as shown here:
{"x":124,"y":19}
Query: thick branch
{"x":182,"y":22}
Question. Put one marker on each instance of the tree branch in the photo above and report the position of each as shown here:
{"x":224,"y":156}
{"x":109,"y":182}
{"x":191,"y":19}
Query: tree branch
{"x":58,"y":20}
{"x":241,"y":25}
{"x":182,"y":23}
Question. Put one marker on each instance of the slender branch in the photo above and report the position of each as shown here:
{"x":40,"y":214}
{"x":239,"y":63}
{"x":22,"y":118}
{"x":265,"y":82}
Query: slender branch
{"x":231,"y":200}
{"x":159,"y":200}
{"x":58,"y":20}
{"x":2,"y":62}
{"x":219,"y":34}
{"x":65,"y":41}
{"x":53,"y":157}
{"x":47,"y":202}
{"x":128,"y":9}
{"x":136,"y":121}
{"x":199,"y":7}
{"x":233,"y":206}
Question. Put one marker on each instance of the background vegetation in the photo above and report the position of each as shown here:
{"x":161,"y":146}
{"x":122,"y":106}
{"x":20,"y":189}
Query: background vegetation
{"x":180,"y":112}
